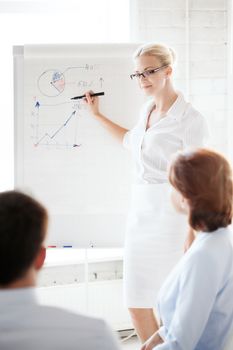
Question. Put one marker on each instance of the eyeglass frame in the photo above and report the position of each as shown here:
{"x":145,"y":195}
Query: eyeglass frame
{"x":148,"y":73}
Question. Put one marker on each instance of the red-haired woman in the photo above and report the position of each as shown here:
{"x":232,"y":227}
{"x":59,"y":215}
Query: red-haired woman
{"x":195,"y":302}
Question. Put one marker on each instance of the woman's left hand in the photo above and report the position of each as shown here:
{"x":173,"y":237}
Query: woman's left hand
{"x":154,"y":340}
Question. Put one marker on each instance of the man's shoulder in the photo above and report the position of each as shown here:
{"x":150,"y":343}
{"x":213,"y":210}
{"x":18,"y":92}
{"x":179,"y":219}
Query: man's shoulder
{"x":62,"y":316}
{"x":89,"y":332}
{"x":34,"y":326}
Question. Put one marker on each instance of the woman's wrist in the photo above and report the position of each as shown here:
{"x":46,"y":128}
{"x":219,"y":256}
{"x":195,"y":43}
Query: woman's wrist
{"x":153,"y":341}
{"x":159,"y":339}
{"x":97,"y":114}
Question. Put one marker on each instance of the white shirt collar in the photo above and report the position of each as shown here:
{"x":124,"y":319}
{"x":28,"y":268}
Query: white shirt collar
{"x":220,"y":231}
{"x":17,"y":296}
{"x":176,"y":111}
{"x":178,"y":107}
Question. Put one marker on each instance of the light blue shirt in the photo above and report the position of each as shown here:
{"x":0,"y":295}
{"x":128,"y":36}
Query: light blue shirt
{"x":27,"y":325}
{"x":195,"y":303}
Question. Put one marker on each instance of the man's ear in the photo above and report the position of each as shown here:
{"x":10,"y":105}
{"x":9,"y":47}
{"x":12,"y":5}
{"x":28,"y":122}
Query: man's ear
{"x":39,"y":261}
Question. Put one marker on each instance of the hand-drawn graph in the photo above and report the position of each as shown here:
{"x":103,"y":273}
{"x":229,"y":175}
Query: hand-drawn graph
{"x":54,"y":116}
{"x":46,"y":138}
{"x":61,"y":132}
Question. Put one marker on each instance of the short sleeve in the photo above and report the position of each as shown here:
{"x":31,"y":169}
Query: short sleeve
{"x":197,"y":133}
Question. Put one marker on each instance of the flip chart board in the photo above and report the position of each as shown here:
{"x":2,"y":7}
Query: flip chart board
{"x":63,"y":156}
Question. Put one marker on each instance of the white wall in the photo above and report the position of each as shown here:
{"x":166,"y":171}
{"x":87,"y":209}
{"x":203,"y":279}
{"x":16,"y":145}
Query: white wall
{"x":197,"y":30}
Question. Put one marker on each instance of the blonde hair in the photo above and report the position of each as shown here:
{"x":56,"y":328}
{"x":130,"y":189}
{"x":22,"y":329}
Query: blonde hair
{"x":163,"y":53}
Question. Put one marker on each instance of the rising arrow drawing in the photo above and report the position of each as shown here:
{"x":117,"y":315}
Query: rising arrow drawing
{"x":46,"y":135}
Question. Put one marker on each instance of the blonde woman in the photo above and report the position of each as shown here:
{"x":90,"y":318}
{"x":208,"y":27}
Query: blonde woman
{"x":155,"y":232}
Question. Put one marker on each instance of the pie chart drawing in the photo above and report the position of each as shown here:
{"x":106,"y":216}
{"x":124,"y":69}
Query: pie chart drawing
{"x":51,"y":83}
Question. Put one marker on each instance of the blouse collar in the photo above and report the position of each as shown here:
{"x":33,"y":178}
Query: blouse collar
{"x":176,"y":110}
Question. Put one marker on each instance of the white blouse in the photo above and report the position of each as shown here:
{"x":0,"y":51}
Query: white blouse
{"x":182,"y":127}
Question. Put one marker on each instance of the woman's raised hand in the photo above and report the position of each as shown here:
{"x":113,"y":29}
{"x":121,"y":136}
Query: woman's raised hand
{"x":93,"y":102}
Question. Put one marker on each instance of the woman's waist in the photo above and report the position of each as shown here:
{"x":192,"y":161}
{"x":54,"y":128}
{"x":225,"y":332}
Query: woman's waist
{"x":153,"y":176}
{"x":147,"y":197}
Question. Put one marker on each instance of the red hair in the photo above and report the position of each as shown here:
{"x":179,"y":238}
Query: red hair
{"x":204,"y":178}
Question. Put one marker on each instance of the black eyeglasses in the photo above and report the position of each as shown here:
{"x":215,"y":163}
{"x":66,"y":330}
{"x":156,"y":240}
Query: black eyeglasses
{"x":146,"y":73}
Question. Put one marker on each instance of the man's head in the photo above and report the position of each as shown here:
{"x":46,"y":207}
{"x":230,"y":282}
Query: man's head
{"x":23,"y":225}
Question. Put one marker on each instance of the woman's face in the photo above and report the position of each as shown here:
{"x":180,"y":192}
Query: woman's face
{"x":179,"y":202}
{"x":154,"y":83}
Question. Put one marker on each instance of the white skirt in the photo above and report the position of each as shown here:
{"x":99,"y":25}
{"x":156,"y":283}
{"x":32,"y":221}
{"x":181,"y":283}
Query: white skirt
{"x":155,"y":235}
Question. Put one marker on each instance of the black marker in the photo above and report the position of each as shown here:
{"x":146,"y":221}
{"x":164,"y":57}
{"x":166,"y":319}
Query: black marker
{"x":81,"y":96}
